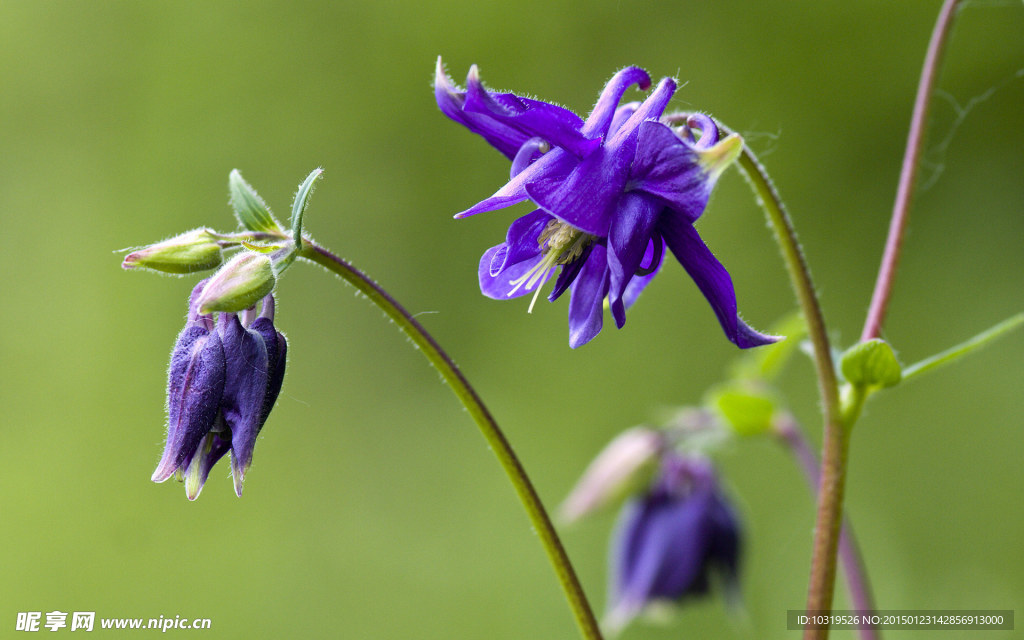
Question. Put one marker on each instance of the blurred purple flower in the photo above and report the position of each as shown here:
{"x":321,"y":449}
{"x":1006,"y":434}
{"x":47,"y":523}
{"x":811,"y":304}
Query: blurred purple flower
{"x":613,"y":191}
{"x":669,"y":541}
{"x":223,"y":381}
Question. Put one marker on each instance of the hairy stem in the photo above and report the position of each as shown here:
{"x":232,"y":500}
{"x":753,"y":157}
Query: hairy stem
{"x":484,"y":420}
{"x":908,"y":173}
{"x":834,"y":447}
{"x":849,"y":554}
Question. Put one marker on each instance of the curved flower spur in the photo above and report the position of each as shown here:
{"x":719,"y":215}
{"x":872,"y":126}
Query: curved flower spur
{"x":612,"y":192}
{"x":223,"y":381}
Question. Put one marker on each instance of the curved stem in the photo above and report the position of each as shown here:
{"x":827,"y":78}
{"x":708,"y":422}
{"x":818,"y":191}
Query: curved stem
{"x":834,"y":448}
{"x":849,"y":554}
{"x":497,"y":440}
{"x":908,"y":173}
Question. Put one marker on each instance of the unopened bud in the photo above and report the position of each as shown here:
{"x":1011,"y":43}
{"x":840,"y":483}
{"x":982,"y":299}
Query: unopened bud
{"x":239,"y":284}
{"x":626,"y":463}
{"x":193,"y":251}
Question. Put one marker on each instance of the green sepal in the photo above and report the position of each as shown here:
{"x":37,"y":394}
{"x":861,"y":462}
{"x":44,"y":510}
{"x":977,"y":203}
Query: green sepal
{"x":747,"y":409}
{"x":300,"y":203}
{"x":249,"y":207}
{"x":871,"y":364}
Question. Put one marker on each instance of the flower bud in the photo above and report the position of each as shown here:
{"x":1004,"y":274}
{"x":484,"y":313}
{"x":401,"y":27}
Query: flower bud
{"x":239,"y":284}
{"x":195,"y":385}
{"x":224,"y":379}
{"x":624,"y":464}
{"x":192,"y":251}
{"x":670,"y":540}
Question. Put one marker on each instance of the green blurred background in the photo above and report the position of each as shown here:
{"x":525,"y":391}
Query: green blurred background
{"x":374,"y":509}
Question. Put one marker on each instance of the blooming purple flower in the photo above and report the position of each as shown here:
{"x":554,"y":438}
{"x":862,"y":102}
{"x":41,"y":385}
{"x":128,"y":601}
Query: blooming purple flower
{"x":612,"y":192}
{"x":223,"y":381}
{"x":669,"y":541}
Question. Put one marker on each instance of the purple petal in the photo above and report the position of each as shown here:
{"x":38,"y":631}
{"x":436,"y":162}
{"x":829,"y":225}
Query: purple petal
{"x":196,"y":379}
{"x":245,"y":391}
{"x":521,"y":241}
{"x":569,"y":273}
{"x":277,"y":355}
{"x":499,"y":284}
{"x":669,"y":169}
{"x":678,"y":541}
{"x":554,"y":164}
{"x":534,"y":118}
{"x":529,"y":153}
{"x":451,"y":101}
{"x":587,"y":197}
{"x":601,"y":116}
{"x":586,"y":305}
{"x":707,"y":127}
{"x":628,"y":240}
{"x":622,"y":115}
{"x":649,"y":109}
{"x":211,"y":449}
{"x":712,"y":279}
{"x":650,"y":265}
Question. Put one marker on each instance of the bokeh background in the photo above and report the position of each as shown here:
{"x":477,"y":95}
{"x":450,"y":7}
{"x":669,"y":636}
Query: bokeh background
{"x":374,"y":509}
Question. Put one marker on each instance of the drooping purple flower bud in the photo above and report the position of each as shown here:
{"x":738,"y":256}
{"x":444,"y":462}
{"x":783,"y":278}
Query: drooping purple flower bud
{"x":223,"y":382}
{"x":195,"y":385}
{"x":671,"y":540}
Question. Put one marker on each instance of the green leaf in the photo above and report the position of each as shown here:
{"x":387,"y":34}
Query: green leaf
{"x":249,"y":207}
{"x":301,"y":202}
{"x":747,"y":409}
{"x":871,"y":364}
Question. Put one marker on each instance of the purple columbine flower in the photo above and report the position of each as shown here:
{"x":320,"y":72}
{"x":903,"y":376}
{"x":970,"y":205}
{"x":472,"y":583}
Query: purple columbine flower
{"x":223,"y":380}
{"x":613,"y":191}
{"x":670,"y":541}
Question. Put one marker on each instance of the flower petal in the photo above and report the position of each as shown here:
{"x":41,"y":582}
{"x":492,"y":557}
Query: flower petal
{"x":210,"y":450}
{"x":534,"y":118}
{"x":669,"y":169}
{"x":712,"y":279}
{"x":498,"y":285}
{"x":649,"y":109}
{"x":554,"y":164}
{"x":245,"y":391}
{"x":628,"y":240}
{"x":587,"y":197}
{"x":586,"y":305}
{"x":650,"y":265}
{"x":196,"y":379}
{"x":569,"y":273}
{"x":601,"y":116}
{"x":622,"y":115}
{"x":451,"y":101}
{"x":523,"y":237}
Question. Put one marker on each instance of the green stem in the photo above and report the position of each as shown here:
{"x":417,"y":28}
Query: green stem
{"x":469,"y":398}
{"x":835,"y":443}
{"x":962,"y":349}
{"x":791,"y":435}
{"x":908,"y":173}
